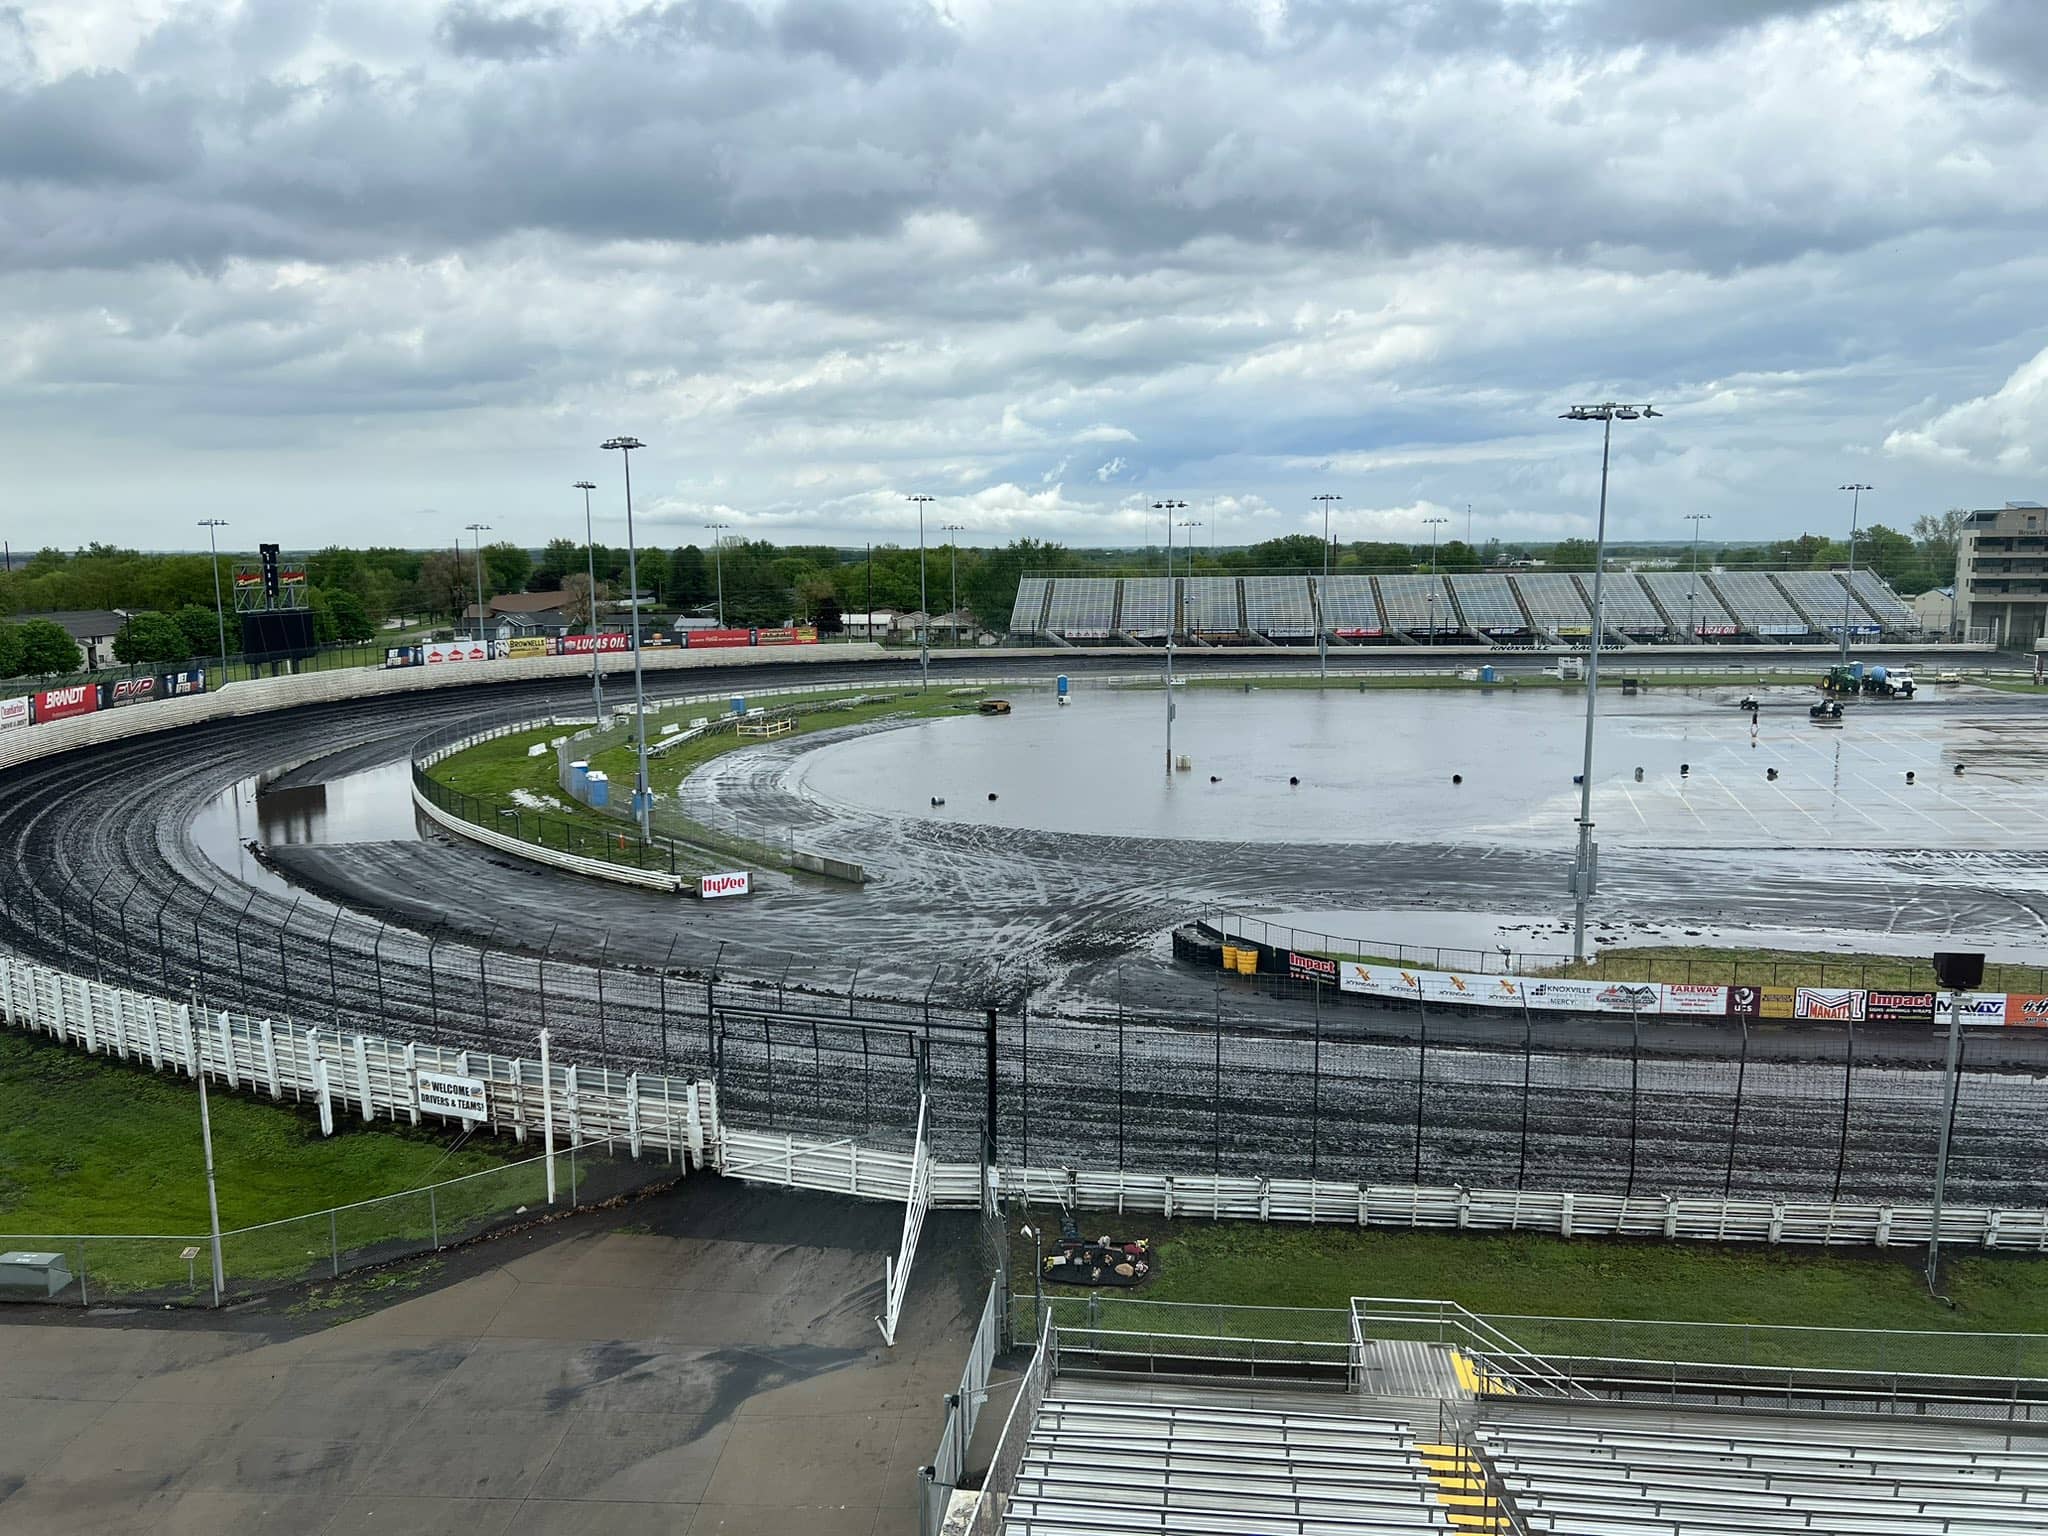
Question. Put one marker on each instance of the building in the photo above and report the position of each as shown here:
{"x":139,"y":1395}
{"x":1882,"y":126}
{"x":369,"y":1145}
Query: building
{"x":93,"y":628}
{"x":516,"y":615}
{"x":960,"y":627}
{"x":1936,"y":609}
{"x":879,"y":625}
{"x":2002,"y":574}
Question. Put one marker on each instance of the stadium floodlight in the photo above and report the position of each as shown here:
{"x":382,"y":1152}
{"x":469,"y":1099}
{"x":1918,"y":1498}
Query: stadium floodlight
{"x":1322,"y":634}
{"x":924,"y":607}
{"x":954,"y":545}
{"x":1606,"y":414}
{"x":1169,"y":507}
{"x":717,"y":532}
{"x":220,"y":620}
{"x":643,"y":797}
{"x":1433,"y":523}
{"x":590,"y":550}
{"x":479,"y":529}
{"x":1692,"y":591}
{"x":1855,"y":490}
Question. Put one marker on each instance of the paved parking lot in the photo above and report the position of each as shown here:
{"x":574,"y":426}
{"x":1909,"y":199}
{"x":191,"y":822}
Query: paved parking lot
{"x":707,"y":1362}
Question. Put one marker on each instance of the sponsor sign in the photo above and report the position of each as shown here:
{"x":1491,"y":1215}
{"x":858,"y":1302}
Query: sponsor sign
{"x":177,"y":685}
{"x":695,"y":639}
{"x":527,"y":645}
{"x":583,"y":645}
{"x":1715,"y":629}
{"x":460,"y":1097}
{"x":1086,"y":634}
{"x":1513,"y":629}
{"x":63,"y":703}
{"x":803,"y":634}
{"x":1291,"y":634}
{"x":1694,"y":1001}
{"x":455,"y":650}
{"x":1359,"y":634}
{"x":1777,"y":1002}
{"x":1432,"y":986}
{"x":13,"y":712}
{"x":1898,"y":1007}
{"x":735,"y":883}
{"x":1781,"y":629}
{"x":1745,"y":1002}
{"x":133,"y":690}
{"x":1317,"y":968}
{"x":2027,"y":1009}
{"x":1971,"y":1007}
{"x":1837,"y":1003}
{"x":1575,"y":631}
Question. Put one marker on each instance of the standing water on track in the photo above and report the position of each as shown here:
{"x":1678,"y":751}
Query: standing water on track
{"x":373,"y":805}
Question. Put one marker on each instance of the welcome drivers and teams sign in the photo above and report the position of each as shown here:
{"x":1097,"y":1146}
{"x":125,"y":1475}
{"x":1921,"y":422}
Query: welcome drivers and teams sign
{"x":439,"y":1094}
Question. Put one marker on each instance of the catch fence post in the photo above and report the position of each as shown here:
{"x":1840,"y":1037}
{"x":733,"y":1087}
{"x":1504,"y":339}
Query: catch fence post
{"x":1421,"y":1072}
{"x":1842,"y":1143}
{"x":1735,"y":1118}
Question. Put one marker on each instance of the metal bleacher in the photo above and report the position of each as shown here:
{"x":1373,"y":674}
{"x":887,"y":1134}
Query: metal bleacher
{"x":1279,"y":604}
{"x":1348,"y":603}
{"x":1082,"y":605}
{"x":1029,"y":607}
{"x":1131,"y":1457}
{"x":1756,"y":601}
{"x":1147,"y":605}
{"x":1821,"y":595}
{"x":1624,"y":604}
{"x":1681,"y":592}
{"x":1488,"y":601}
{"x":1632,"y":1472}
{"x":1408,"y":605}
{"x":1209,"y":605}
{"x":1885,"y":605}
{"x":1554,"y":600}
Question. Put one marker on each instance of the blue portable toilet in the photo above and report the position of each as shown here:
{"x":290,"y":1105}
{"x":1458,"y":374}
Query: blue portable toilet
{"x":1488,"y":675}
{"x":1063,"y":685}
{"x":579,"y":780}
{"x":739,"y":704}
{"x":600,"y":787}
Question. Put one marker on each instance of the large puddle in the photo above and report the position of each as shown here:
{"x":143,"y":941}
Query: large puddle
{"x":1410,"y":766}
{"x":371,"y":806}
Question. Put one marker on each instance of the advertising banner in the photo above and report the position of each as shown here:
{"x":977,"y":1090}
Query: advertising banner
{"x":1715,"y":629}
{"x":583,"y":645}
{"x":1778,"y":1002}
{"x":1781,"y":629}
{"x":1592,"y":996}
{"x":461,"y":1097}
{"x":1317,"y":968}
{"x":1359,"y":634}
{"x":733,"y":884}
{"x":2027,"y":1009}
{"x":1973,"y":1007}
{"x":1899,"y":1007}
{"x":132,"y":690}
{"x":1433,"y":986}
{"x":527,"y":645}
{"x":455,"y":650}
{"x":13,"y":712}
{"x":1844,"y":1004}
{"x":178,"y":685}
{"x":696,"y":639}
{"x":800,"y":636}
{"x":63,"y":703}
{"x":1694,"y":1001}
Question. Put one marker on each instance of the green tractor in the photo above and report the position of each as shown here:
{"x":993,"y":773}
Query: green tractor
{"x":1842,"y":680}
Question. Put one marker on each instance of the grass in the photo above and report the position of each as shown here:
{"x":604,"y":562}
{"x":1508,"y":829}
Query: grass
{"x":89,"y":1145}
{"x":1240,"y":1264}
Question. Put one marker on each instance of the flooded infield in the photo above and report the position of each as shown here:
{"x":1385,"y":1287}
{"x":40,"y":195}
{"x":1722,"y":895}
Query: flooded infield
{"x":1395,"y":765}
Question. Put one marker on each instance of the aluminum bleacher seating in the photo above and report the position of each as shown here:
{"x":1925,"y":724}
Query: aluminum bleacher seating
{"x":1624,"y":604}
{"x":1892,"y":612}
{"x":1279,"y":605}
{"x":1759,"y":607}
{"x":1821,"y":595}
{"x":1348,"y":603}
{"x":1148,"y":604}
{"x":1488,"y":602}
{"x":1030,"y":604}
{"x":1553,"y":599}
{"x":1209,"y":604}
{"x":1408,"y":604}
{"x":1082,"y":607}
{"x":1681,"y":593}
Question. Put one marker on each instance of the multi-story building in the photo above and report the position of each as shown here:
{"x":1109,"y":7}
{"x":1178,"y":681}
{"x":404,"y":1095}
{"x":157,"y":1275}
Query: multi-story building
{"x":2002,"y":574}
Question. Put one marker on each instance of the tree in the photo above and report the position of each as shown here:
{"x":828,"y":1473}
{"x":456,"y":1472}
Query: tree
{"x":1457,"y":555}
{"x":1373,"y":556}
{"x":989,"y":585}
{"x":1293,"y":551}
{"x":445,"y":584}
{"x":689,"y":577}
{"x":10,"y":650}
{"x":1573,"y":554}
{"x":557,"y":562}
{"x":202,"y":629}
{"x":506,"y":567}
{"x":46,"y":648}
{"x":151,"y":637}
{"x":826,"y":617}
{"x":1937,"y":534}
{"x":352,"y":624}
{"x":577,"y":608}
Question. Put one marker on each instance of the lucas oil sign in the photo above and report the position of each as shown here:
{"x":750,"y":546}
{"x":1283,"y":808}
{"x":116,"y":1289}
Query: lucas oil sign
{"x":732,"y":884}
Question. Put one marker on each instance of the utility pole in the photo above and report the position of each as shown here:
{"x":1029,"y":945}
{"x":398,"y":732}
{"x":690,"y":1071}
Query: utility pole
{"x":1322,"y":631}
{"x":479,"y":529}
{"x":1433,"y":524}
{"x":219,"y":613}
{"x":1169,"y":507}
{"x":924,"y":609}
{"x":212,"y":1194}
{"x":1855,"y":490}
{"x":718,"y":564}
{"x":1692,"y":592}
{"x":590,"y":550}
{"x":643,"y":797}
{"x":954,"y":545}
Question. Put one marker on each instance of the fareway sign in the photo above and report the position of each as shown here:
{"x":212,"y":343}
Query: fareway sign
{"x":462,"y":1097}
{"x":734,"y":884}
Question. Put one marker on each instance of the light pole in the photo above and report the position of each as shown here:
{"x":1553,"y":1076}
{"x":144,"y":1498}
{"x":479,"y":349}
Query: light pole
{"x":479,"y":529}
{"x":1322,"y":634}
{"x":219,"y":613}
{"x":1433,"y":524}
{"x":1855,"y":489}
{"x":1692,"y":591}
{"x":643,"y":798}
{"x":717,"y":531}
{"x":954,"y":545}
{"x":590,"y":549}
{"x":1583,"y":871}
{"x":924,"y":623}
{"x":1169,"y":507}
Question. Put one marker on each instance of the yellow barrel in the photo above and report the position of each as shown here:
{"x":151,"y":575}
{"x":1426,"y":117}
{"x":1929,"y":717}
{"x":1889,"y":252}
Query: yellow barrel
{"x":1230,"y":957}
{"x":1247,"y":962}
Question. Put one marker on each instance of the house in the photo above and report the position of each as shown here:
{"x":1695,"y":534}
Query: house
{"x":515,"y":615}
{"x":1936,"y":610}
{"x":882,"y":624}
{"x":960,"y":627}
{"x":93,"y":628}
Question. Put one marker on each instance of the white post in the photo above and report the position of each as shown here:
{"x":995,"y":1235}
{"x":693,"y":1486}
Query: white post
{"x":212,"y":1198}
{"x":547,"y":1115}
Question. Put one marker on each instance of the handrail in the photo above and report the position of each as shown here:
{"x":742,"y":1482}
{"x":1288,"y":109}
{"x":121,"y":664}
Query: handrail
{"x":1481,"y":1336}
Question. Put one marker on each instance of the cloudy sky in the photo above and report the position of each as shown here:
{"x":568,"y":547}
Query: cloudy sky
{"x":361,"y":270}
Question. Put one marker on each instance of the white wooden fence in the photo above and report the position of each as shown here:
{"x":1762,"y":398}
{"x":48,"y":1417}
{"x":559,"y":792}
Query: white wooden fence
{"x":896,"y":1272}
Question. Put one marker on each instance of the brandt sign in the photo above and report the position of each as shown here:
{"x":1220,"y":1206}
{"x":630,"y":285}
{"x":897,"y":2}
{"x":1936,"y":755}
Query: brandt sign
{"x":733,"y":884}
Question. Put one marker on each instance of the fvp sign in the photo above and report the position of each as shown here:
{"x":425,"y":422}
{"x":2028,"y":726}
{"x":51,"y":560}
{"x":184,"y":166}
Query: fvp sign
{"x":459,"y":1097}
{"x":737,"y":883}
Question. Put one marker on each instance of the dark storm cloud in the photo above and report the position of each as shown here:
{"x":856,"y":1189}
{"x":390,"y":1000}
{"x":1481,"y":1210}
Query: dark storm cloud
{"x":96,"y":128}
{"x":472,"y":30}
{"x":2010,"y":37}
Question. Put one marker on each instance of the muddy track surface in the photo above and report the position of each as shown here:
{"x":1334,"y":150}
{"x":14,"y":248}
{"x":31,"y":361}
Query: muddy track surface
{"x":827,"y":1000}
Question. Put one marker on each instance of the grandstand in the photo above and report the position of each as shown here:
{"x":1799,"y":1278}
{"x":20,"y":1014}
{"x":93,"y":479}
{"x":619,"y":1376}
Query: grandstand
{"x":1487,"y":601}
{"x":1652,"y":607}
{"x":1681,"y":593}
{"x":1414,"y":1416}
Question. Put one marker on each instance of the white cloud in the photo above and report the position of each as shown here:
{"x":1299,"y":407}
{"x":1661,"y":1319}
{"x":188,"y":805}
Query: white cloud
{"x":2006,"y":431}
